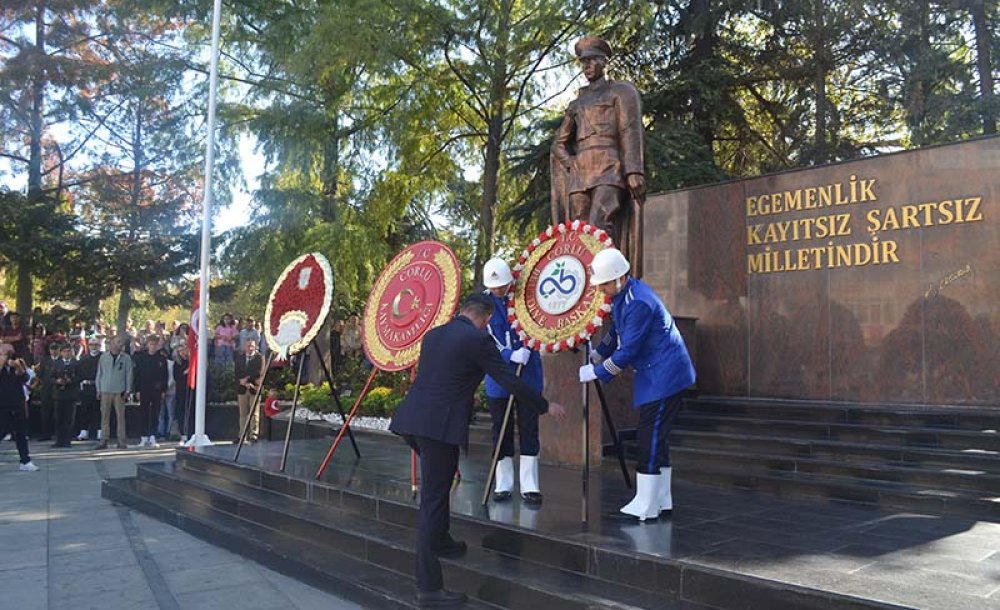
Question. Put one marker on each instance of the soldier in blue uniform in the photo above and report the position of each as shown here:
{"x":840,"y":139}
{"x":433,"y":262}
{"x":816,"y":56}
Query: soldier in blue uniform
{"x":498,"y":280}
{"x":434,"y":421}
{"x":643,"y":336}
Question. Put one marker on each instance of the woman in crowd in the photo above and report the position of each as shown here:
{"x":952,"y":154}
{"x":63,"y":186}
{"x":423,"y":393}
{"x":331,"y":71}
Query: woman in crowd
{"x":226,"y":334}
{"x":179,"y":337}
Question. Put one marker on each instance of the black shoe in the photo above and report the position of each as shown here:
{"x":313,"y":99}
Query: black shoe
{"x":451,"y":549}
{"x":501,"y":496}
{"x":532,"y":498}
{"x":440,"y":598}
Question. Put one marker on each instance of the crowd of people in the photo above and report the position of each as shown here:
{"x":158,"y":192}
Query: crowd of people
{"x":64,"y":384}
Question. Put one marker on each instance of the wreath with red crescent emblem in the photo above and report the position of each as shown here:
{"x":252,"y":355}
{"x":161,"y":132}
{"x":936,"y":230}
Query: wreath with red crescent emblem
{"x":553,"y":307}
{"x":416,"y":291}
{"x":298,"y":305}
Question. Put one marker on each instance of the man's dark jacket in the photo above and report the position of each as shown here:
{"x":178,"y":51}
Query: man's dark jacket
{"x":11,"y":388}
{"x":252,"y":367}
{"x":454,"y":358}
{"x":66,"y":379}
{"x":150,"y":372}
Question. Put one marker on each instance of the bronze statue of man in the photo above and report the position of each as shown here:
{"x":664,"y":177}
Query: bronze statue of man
{"x":597,"y":156}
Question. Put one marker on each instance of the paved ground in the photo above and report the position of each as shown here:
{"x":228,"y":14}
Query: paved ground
{"x":63,"y":546}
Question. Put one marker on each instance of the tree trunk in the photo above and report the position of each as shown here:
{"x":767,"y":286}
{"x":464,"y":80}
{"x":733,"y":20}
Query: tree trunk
{"x":23,"y":301}
{"x":25,"y":281}
{"x":918,"y":83}
{"x":984,"y":63}
{"x":331,"y":171}
{"x":494,"y":146}
{"x":820,"y":55}
{"x":124,"y":307}
{"x":703,"y":25}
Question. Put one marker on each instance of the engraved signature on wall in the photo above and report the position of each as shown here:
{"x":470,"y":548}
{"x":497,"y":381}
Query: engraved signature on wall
{"x":954,"y":276}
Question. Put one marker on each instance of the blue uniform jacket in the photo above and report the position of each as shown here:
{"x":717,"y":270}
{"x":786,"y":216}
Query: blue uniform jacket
{"x":454,"y":357}
{"x":507,"y":342}
{"x":643,"y":335}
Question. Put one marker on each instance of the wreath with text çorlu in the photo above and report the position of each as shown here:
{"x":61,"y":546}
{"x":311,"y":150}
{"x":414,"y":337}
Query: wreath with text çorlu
{"x":552,"y":306}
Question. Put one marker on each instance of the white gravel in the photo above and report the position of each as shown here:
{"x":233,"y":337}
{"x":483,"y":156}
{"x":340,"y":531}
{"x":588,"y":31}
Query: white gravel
{"x":361,"y":421}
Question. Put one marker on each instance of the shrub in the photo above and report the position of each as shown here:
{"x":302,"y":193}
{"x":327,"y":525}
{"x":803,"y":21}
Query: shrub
{"x":381,"y":401}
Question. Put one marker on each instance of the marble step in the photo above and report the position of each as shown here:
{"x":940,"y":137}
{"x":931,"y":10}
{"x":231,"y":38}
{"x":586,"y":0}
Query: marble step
{"x":698,"y":585}
{"x":943,"y":438}
{"x":488,"y":575}
{"x":954,"y":418}
{"x":362,"y":582}
{"x":858,"y":453}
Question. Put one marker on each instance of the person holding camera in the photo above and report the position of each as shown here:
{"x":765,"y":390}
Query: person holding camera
{"x":13,"y":377}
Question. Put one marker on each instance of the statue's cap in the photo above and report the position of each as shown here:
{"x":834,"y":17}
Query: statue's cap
{"x":592,"y":46}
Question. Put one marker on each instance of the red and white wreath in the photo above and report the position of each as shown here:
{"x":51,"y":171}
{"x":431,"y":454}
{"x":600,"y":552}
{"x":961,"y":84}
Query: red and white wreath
{"x":298,"y":305}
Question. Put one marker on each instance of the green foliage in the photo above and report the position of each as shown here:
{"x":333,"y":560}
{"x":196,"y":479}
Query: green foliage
{"x":221,"y":383}
{"x":381,"y":402}
{"x":385,"y":123}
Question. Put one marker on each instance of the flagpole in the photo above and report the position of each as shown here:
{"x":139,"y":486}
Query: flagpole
{"x":200,"y":438}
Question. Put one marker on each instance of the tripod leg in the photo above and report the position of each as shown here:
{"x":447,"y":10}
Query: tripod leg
{"x":619,"y":449}
{"x":336,"y":397}
{"x":253,"y":407}
{"x":496,"y":450}
{"x":291,"y":417}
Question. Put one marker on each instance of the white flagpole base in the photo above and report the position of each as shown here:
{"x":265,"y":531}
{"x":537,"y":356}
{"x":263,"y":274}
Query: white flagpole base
{"x":199,"y":440}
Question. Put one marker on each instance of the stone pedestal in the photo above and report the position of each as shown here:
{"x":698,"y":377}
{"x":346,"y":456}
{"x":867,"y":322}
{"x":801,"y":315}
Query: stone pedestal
{"x":562,"y":443}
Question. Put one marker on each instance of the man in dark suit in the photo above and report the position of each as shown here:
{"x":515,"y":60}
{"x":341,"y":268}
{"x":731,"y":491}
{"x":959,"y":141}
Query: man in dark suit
{"x":151,"y":381}
{"x":47,"y":393}
{"x":248,"y":370}
{"x":64,"y":378}
{"x":434,"y":420}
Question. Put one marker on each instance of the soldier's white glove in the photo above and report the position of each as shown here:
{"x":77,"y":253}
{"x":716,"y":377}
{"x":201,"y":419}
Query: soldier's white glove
{"x":595,"y":357}
{"x":520,"y":356}
{"x":587,"y":373}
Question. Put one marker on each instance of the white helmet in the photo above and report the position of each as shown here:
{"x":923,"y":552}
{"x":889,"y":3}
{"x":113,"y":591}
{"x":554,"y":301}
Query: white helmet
{"x":609,"y":264}
{"x":496,"y":273}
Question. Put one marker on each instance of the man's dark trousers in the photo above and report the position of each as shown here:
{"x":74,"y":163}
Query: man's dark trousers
{"x":438,"y":463}
{"x":88,"y":416}
{"x":12,"y":421}
{"x":46,"y":412}
{"x":65,"y":412}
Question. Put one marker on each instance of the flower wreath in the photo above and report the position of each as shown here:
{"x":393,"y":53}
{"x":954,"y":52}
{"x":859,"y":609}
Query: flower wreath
{"x":587,"y":313}
{"x":298,"y":305}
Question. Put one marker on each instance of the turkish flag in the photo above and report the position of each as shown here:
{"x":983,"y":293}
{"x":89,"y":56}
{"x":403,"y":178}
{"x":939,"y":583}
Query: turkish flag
{"x":192,"y":337}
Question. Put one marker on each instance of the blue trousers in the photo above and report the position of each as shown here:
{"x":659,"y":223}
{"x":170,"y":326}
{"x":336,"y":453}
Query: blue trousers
{"x":168,"y":414}
{"x":656,"y":419}
{"x":527,"y":427}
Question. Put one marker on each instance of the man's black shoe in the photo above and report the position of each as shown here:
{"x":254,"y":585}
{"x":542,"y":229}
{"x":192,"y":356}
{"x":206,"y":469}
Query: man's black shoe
{"x":440,"y":599}
{"x":532,"y":498}
{"x":451,"y":549}
{"x":501,"y":496}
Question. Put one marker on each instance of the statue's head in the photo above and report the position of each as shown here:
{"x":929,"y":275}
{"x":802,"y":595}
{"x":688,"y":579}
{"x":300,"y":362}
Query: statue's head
{"x":593,"y":54}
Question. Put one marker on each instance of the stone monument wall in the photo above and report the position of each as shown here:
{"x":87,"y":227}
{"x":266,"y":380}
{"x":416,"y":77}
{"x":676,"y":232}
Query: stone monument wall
{"x":874,"y":281}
